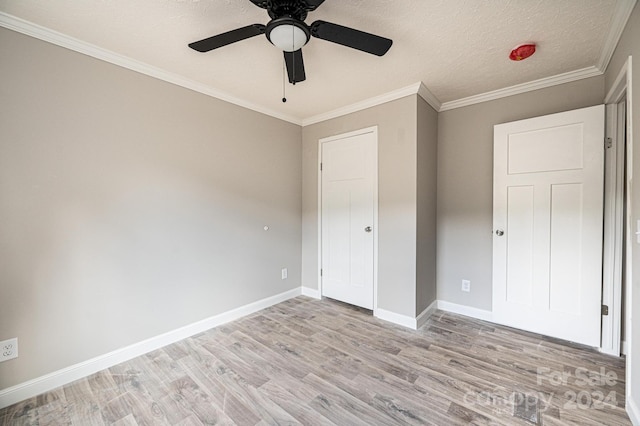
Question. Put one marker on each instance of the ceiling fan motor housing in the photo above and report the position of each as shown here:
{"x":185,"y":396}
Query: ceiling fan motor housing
{"x":296,"y":9}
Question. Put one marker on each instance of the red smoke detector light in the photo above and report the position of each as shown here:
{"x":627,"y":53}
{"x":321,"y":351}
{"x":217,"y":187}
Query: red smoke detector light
{"x":522,"y":52}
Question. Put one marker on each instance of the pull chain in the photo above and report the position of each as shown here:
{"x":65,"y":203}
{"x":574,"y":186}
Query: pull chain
{"x":284,"y":71}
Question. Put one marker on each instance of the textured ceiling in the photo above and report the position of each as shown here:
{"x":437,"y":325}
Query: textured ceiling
{"x":457,"y":48}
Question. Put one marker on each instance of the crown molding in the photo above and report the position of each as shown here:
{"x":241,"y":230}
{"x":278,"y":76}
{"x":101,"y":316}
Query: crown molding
{"x":59,"y":39}
{"x":359,"y":106}
{"x":621,"y":15}
{"x":542,"y":83}
{"x":28,"y":28}
{"x":618,"y":22}
{"x":429,"y":97}
{"x":416,"y":88}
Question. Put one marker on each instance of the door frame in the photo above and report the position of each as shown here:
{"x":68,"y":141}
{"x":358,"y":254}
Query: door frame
{"x":621,"y":89}
{"x":374,"y":131}
{"x":616,"y":234}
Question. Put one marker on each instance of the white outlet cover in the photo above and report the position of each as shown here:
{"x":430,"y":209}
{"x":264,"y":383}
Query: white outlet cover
{"x":9,"y":349}
{"x":284,"y":273}
{"x":466,"y":285}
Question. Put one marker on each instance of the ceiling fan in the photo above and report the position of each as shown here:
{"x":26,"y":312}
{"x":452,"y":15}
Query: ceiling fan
{"x":288,"y":31}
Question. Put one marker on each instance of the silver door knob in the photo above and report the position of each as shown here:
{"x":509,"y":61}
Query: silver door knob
{"x":499,"y":232}
{"x":367,"y":229}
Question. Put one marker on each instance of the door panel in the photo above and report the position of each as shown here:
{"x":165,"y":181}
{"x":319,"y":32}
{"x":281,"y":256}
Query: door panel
{"x":548,"y":186}
{"x":520,"y":240}
{"x":557,"y":148}
{"x":565,"y":251}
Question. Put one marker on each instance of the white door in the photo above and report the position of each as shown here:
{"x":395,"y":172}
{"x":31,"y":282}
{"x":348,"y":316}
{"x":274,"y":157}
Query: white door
{"x":547,"y":214}
{"x":348,"y":202}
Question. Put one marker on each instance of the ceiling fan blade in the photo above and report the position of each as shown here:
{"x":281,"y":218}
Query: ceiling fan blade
{"x":295,"y":66}
{"x":227,"y":38}
{"x":349,"y":37}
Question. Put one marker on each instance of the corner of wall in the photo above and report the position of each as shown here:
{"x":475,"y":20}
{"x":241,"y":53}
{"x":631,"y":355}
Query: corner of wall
{"x":426,"y":196}
{"x":311,"y":292}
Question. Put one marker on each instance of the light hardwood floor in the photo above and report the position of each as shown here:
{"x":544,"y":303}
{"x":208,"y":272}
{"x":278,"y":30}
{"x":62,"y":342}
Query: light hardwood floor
{"x":313,"y":362}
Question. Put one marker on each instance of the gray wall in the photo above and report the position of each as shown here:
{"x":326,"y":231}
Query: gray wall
{"x":465,"y":182}
{"x":427,"y":157}
{"x":130,"y":207}
{"x":397,"y":187}
{"x":628,"y":45}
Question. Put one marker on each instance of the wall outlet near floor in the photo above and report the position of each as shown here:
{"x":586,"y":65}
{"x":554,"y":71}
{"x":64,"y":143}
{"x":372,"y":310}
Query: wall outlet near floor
{"x":466,"y":285}
{"x":285,"y":273}
{"x":9,"y":349}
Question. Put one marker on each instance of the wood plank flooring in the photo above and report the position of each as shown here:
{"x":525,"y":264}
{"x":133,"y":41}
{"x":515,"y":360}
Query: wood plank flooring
{"x":314,"y":362}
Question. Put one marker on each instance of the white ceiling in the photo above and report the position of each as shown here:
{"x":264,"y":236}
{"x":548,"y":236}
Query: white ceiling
{"x":456,"y":48}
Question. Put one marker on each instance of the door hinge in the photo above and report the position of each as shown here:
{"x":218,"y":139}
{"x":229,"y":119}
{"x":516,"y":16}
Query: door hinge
{"x":608,"y":142}
{"x":320,"y":166}
{"x":605,"y":310}
{"x":320,"y":271}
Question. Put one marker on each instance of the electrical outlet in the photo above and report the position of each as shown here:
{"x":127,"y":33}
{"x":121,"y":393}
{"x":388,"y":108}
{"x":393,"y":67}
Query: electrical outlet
{"x":284,"y":273}
{"x":9,"y":349}
{"x":466,"y":285}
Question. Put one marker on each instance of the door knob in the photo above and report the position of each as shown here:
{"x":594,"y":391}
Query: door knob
{"x":499,"y":232}
{"x":367,"y":229}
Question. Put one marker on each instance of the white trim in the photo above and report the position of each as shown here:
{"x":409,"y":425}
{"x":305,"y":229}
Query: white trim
{"x":623,"y":88}
{"x":42,"y":33}
{"x":542,"y":83}
{"x":468,"y":311}
{"x":367,"y":103}
{"x":632,"y":407}
{"x":310,"y":292}
{"x":614,"y":235}
{"x":633,"y":411}
{"x":619,"y":86}
{"x":429,"y":97}
{"x":398,"y":319}
{"x":417,"y":88}
{"x":621,"y":15}
{"x":420,"y":320}
{"x":374,"y":130}
{"x":319,"y":211}
{"x":22,"y":391}
{"x":404,"y":320}
{"x":28,"y":28}
{"x":618,"y":22}
{"x":424,"y":315}
{"x":375,"y":219}
{"x":623,"y":346}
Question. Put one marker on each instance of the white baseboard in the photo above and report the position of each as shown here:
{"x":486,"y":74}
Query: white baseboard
{"x":633,"y":411}
{"x":424,"y":315}
{"x":468,"y":311}
{"x":399,"y":319}
{"x":612,"y":352}
{"x":22,"y":391}
{"x":311,"y":292}
{"x":405,"y":320}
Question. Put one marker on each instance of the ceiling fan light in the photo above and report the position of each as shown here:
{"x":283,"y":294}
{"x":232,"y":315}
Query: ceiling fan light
{"x":288,"y":37}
